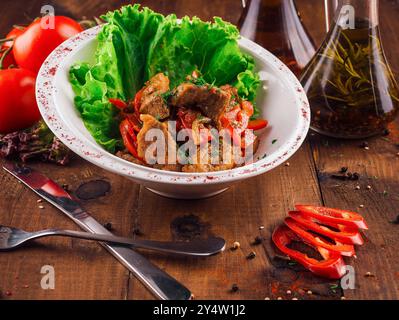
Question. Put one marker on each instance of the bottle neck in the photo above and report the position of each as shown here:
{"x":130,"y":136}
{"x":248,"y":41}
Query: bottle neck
{"x":353,"y":14}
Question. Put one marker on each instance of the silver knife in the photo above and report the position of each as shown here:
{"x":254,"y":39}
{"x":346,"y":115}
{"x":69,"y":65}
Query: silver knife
{"x":162,"y":285}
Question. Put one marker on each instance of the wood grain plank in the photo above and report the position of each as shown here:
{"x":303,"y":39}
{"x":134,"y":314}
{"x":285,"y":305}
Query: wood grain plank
{"x":83,"y":269}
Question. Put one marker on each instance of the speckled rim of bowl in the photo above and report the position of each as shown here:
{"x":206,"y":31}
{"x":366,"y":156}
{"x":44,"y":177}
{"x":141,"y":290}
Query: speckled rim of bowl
{"x":45,"y":92}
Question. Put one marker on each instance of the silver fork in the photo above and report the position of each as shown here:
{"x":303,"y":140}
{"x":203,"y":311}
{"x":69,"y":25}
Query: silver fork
{"x":12,"y":238}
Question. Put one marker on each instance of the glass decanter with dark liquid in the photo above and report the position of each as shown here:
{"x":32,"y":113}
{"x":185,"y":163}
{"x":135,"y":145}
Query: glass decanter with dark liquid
{"x":350,"y":86}
{"x":277,"y":26}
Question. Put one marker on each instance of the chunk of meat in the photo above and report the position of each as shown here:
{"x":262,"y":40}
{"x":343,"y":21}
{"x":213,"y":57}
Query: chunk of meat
{"x":204,"y":163}
{"x":152,"y":102}
{"x":150,"y":123}
{"x":211,"y":101}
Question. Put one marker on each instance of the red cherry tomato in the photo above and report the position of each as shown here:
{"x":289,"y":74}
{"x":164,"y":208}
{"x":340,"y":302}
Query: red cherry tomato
{"x":18,"y":108}
{"x":35,"y":44}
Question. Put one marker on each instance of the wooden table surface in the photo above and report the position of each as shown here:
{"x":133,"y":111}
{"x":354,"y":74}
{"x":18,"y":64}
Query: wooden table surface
{"x":83,"y":270}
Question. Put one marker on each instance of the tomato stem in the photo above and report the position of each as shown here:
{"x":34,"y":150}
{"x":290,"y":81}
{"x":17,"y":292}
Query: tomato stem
{"x":19,"y":27}
{"x":6,"y":40}
{"x":3,"y":56}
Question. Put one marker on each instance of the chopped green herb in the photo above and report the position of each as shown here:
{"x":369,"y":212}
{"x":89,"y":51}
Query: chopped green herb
{"x":274,"y":141}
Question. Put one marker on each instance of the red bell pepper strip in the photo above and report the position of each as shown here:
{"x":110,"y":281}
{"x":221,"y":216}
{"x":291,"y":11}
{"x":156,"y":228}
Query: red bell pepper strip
{"x":258,"y":124}
{"x":332,"y":267}
{"x":340,"y":233}
{"x":343,"y":217}
{"x":129,"y":138}
{"x":303,"y":232}
{"x":118,"y":103}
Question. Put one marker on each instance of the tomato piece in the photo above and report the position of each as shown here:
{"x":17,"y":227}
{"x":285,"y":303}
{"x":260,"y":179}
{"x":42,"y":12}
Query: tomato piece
{"x":129,"y":138}
{"x":248,"y":108}
{"x":332,"y":266}
{"x":343,"y":217}
{"x":38,"y":40}
{"x":303,"y":232}
{"x":18,"y":108}
{"x":341,"y":233}
{"x":118,"y":103}
{"x":258,"y":124}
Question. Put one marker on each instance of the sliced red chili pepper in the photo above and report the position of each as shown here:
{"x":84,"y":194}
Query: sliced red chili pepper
{"x":258,"y":124}
{"x":137,"y":101}
{"x":129,"y":138}
{"x":118,"y":103}
{"x":332,"y":267}
{"x":341,"y":233}
{"x":343,"y":217}
{"x":134,"y":121}
{"x":303,"y":232}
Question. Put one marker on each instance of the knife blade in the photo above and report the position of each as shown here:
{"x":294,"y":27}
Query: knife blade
{"x":161,"y":284}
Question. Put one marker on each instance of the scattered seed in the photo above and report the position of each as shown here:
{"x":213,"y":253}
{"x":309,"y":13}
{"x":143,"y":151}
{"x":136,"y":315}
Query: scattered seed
{"x":25,"y":286}
{"x":397,"y":154}
{"x":39,"y":201}
{"x":235,"y":288}
{"x":361,"y":206}
{"x":343,"y":298}
{"x":369,"y":188}
{"x":267,"y":298}
{"x":251,"y":256}
{"x":261,"y":227}
{"x":236,"y":246}
{"x":367,"y":148}
{"x":258,"y":240}
{"x":287,"y":164}
{"x":309,"y":292}
{"x":289,"y":292}
{"x":364,"y":145}
{"x":357,"y":188}
{"x":108,"y":226}
{"x":294,"y":299}
{"x":41,"y":207}
{"x":279,"y":298}
{"x":369,"y":275}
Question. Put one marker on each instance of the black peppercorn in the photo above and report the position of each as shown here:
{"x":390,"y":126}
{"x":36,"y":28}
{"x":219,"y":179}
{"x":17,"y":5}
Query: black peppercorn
{"x":251,"y":256}
{"x":234,"y":288}
{"x":258,"y":240}
{"x":108,"y":226}
{"x":344,"y":169}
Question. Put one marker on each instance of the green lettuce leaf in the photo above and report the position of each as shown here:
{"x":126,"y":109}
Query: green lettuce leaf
{"x":136,"y":44}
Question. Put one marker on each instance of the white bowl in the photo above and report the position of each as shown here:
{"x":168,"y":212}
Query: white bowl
{"x":281,"y":99}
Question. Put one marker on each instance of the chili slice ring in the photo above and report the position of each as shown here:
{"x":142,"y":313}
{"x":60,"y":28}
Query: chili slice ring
{"x":333,"y":266}
{"x":343,"y":217}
